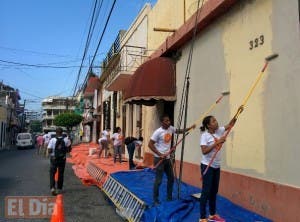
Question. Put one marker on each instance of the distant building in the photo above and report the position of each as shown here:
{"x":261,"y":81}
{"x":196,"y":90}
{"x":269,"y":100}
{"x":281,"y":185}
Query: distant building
{"x":9,"y":111}
{"x":89,"y":108}
{"x":32,"y":115}
{"x":53,"y":106}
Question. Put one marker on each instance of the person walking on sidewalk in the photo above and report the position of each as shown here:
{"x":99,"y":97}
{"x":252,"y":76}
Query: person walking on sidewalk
{"x":160,"y":144}
{"x":57,"y":149}
{"x":103,"y":142}
{"x":117,"y":139}
{"x":211,"y":140}
{"x":39,"y":143}
{"x":46,"y":138}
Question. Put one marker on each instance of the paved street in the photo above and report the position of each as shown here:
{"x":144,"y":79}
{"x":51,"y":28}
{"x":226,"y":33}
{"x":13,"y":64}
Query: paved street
{"x":23,"y":173}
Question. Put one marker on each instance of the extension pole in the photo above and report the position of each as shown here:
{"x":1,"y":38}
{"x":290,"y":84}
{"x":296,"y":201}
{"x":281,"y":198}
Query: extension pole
{"x":239,"y":111}
{"x":184,"y":135}
{"x":267,"y":60}
{"x":198,"y":121}
{"x":171,"y":151}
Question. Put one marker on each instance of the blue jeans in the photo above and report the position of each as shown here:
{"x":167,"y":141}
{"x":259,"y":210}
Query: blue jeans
{"x":210,"y":186}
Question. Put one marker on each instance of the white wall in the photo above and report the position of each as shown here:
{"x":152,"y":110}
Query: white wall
{"x":265,"y":142}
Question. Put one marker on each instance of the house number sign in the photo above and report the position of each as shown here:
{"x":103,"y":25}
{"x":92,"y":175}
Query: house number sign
{"x":256,"y":42}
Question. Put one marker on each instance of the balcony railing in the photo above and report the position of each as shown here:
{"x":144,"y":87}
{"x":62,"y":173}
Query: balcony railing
{"x":114,"y":49}
{"x":128,"y":60}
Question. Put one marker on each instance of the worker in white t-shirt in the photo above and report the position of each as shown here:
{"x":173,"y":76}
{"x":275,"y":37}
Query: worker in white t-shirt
{"x":160,"y":144}
{"x":211,"y":142}
{"x":103,"y":142}
{"x":117,"y":139}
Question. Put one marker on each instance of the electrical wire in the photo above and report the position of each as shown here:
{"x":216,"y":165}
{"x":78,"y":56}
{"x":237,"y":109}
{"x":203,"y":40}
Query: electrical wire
{"x":86,"y":47}
{"x":34,"y":52}
{"x":36,"y":65}
{"x":103,"y":32}
{"x":100,"y":40}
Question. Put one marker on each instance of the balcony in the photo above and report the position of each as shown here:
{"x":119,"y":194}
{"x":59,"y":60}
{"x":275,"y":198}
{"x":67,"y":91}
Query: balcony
{"x":119,"y":70}
{"x":45,"y":117}
{"x":51,"y":107}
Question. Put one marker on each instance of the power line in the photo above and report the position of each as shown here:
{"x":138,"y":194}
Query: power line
{"x":106,"y":23}
{"x":100,"y":40}
{"x":37,"y":65}
{"x":20,"y":90}
{"x":30,"y":94}
{"x":91,"y":30}
{"x":34,"y":52}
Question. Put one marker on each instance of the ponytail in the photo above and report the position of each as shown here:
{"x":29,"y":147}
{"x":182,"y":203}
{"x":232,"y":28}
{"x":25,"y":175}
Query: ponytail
{"x":205,"y":123}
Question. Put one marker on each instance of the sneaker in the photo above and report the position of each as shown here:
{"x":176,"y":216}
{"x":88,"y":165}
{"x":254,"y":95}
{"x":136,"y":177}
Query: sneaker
{"x":215,"y":218}
{"x":53,"y":191}
{"x":203,"y":220}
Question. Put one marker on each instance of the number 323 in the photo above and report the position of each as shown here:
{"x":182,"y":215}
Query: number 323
{"x":256,"y":42}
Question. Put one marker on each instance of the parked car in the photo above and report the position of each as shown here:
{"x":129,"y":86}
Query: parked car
{"x":24,"y":140}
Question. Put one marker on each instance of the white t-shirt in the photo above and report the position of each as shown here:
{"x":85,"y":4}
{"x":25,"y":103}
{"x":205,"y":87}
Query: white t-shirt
{"x":52,"y":143}
{"x":46,"y":138}
{"x":138,"y":142}
{"x":104,"y":135}
{"x":117,"y":137}
{"x":162,"y":138}
{"x":206,"y":140}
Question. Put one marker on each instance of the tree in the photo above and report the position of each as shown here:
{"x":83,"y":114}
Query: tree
{"x":35,"y":126}
{"x":68,"y":120}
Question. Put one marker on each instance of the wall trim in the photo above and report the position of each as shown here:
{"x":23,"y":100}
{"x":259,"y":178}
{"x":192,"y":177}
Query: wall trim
{"x":278,"y":202}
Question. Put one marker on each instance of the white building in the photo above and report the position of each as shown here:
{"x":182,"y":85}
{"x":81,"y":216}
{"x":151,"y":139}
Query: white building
{"x":53,"y":106}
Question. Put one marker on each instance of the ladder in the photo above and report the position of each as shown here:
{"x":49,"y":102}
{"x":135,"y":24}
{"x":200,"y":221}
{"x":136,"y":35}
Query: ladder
{"x":128,"y":205}
{"x":97,"y":173}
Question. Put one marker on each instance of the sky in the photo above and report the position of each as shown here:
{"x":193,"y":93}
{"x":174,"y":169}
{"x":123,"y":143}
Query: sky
{"x":54,"y":33}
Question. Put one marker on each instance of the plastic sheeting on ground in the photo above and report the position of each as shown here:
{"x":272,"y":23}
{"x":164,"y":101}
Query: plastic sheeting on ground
{"x":80,"y":159}
{"x":186,"y":209}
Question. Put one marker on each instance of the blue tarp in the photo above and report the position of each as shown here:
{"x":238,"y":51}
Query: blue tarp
{"x":186,"y":209}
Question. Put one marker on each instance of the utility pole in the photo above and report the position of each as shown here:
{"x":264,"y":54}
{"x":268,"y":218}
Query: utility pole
{"x":23,"y":116}
{"x":67,"y":104}
{"x":10,"y":126}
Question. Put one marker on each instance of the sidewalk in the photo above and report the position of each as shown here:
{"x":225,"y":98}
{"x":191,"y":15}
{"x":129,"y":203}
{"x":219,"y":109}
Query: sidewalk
{"x":85,"y":203}
{"x":8,"y":147}
{"x":127,"y":189}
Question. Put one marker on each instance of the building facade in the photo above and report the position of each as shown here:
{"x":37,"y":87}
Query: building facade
{"x":229,"y":48}
{"x":10,"y":110}
{"x":116,"y":73}
{"x":53,"y":106}
{"x":233,"y":38}
{"x":90,"y":110}
{"x":32,"y":115}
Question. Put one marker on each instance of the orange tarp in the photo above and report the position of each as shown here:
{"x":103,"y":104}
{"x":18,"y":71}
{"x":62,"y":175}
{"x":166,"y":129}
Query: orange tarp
{"x":80,"y":159}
